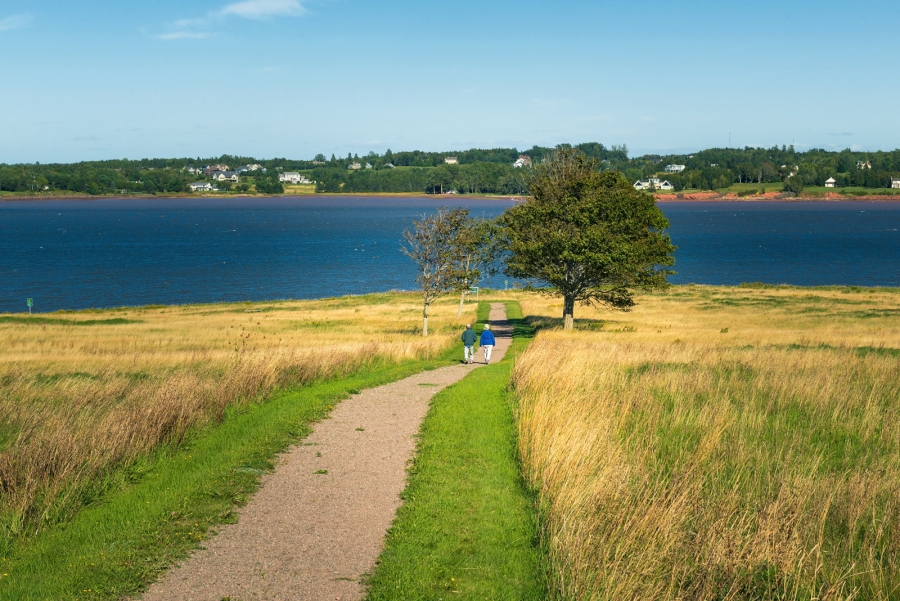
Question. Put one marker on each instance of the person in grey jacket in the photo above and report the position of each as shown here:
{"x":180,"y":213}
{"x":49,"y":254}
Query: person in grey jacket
{"x":469,"y":337}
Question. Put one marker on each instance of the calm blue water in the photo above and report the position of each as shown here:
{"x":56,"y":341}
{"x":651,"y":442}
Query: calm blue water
{"x":101,"y":253}
{"x":802,"y":243}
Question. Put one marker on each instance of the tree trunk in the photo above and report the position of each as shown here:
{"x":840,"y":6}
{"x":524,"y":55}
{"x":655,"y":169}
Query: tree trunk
{"x":425,"y":320}
{"x":462,"y":296}
{"x":569,"y":312}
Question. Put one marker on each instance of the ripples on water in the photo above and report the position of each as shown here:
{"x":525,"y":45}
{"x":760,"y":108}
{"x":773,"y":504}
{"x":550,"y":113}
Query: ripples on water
{"x":802,"y":243}
{"x":102,"y":253}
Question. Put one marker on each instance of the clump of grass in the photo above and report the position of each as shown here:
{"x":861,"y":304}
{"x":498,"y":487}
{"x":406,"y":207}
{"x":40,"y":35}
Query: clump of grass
{"x":77,"y":402}
{"x":736,"y":467}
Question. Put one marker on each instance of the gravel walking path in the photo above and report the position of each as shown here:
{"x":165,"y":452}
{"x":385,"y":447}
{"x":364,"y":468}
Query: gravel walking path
{"x":317,"y":524}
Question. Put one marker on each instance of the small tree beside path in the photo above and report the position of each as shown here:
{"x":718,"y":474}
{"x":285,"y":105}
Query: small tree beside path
{"x":433,"y":244}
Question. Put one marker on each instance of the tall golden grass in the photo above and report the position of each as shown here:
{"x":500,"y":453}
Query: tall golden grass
{"x":83,"y":392}
{"x":718,"y":444}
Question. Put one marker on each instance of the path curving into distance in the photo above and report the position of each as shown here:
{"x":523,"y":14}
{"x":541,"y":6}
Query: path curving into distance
{"x":311,"y":535}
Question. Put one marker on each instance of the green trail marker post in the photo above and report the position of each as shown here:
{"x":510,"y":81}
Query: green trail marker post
{"x":30,"y":304}
{"x":506,"y":284}
{"x":475,"y":290}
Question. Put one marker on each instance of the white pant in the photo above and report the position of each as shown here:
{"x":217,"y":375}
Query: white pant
{"x":468,"y":353}
{"x":487,"y":351}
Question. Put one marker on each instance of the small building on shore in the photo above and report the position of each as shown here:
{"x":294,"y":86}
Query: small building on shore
{"x":292,"y":177}
{"x":210,"y":169}
{"x":451,"y":160}
{"x":201,"y":187}
{"x":829,"y":183}
{"x":895,"y":182}
{"x":674,"y":168}
{"x":654,"y":183}
{"x":354,"y":166}
{"x":223,"y":176}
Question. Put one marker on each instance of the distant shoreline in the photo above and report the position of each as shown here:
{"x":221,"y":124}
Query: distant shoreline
{"x":772,"y":197}
{"x":699,"y":196}
{"x":37,"y":198}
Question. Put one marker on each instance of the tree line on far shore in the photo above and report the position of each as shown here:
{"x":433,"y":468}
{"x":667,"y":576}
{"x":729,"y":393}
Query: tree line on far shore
{"x":477,"y":171}
{"x":719,"y":168}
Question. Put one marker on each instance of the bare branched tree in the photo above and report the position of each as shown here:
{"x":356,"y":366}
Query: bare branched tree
{"x":434,"y":246}
{"x":478,"y":252}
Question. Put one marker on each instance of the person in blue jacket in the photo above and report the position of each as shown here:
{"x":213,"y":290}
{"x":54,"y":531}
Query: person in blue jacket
{"x":487,"y":342}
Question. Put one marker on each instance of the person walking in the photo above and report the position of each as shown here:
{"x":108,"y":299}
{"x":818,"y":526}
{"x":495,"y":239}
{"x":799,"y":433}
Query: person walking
{"x":487,"y":342}
{"x":468,"y":338}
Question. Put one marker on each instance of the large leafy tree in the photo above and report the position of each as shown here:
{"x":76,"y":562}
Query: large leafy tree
{"x":588,"y":234}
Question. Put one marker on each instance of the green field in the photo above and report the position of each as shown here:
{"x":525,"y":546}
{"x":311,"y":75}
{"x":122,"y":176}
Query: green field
{"x":299,"y":189}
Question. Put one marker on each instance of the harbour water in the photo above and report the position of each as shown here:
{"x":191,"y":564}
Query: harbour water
{"x":71,"y":254}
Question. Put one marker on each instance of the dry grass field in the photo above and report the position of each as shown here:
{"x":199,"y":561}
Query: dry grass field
{"x":718,"y":443}
{"x":83,"y":392}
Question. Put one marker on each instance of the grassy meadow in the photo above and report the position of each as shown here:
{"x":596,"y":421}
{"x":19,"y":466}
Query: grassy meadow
{"x":299,"y":189}
{"x":717,"y":443}
{"x":84,"y":393}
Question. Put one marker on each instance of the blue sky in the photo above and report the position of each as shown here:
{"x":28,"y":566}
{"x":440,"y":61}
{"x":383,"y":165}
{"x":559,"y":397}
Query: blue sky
{"x":95,"y":79}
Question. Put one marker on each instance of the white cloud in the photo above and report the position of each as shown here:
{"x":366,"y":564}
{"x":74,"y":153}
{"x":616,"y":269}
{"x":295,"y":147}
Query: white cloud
{"x":261,"y":9}
{"x":15,"y":22}
{"x":198,"y":29}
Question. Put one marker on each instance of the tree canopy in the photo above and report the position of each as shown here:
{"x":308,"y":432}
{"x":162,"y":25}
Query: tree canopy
{"x":588,"y":234}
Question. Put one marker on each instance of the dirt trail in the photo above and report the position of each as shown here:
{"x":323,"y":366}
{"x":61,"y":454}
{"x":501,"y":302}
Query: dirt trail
{"x":312,"y":534}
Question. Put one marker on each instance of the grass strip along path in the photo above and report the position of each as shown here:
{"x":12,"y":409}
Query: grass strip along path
{"x":467,"y":528}
{"x":318,"y":524}
{"x":168,"y":504}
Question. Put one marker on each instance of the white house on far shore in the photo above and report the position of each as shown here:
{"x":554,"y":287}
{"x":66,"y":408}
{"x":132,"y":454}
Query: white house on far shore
{"x":654,"y":183}
{"x":451,"y":160}
{"x":674,"y":168}
{"x":829,"y":183}
{"x":202,"y":187}
{"x":895,"y":182}
{"x":293,"y":177}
